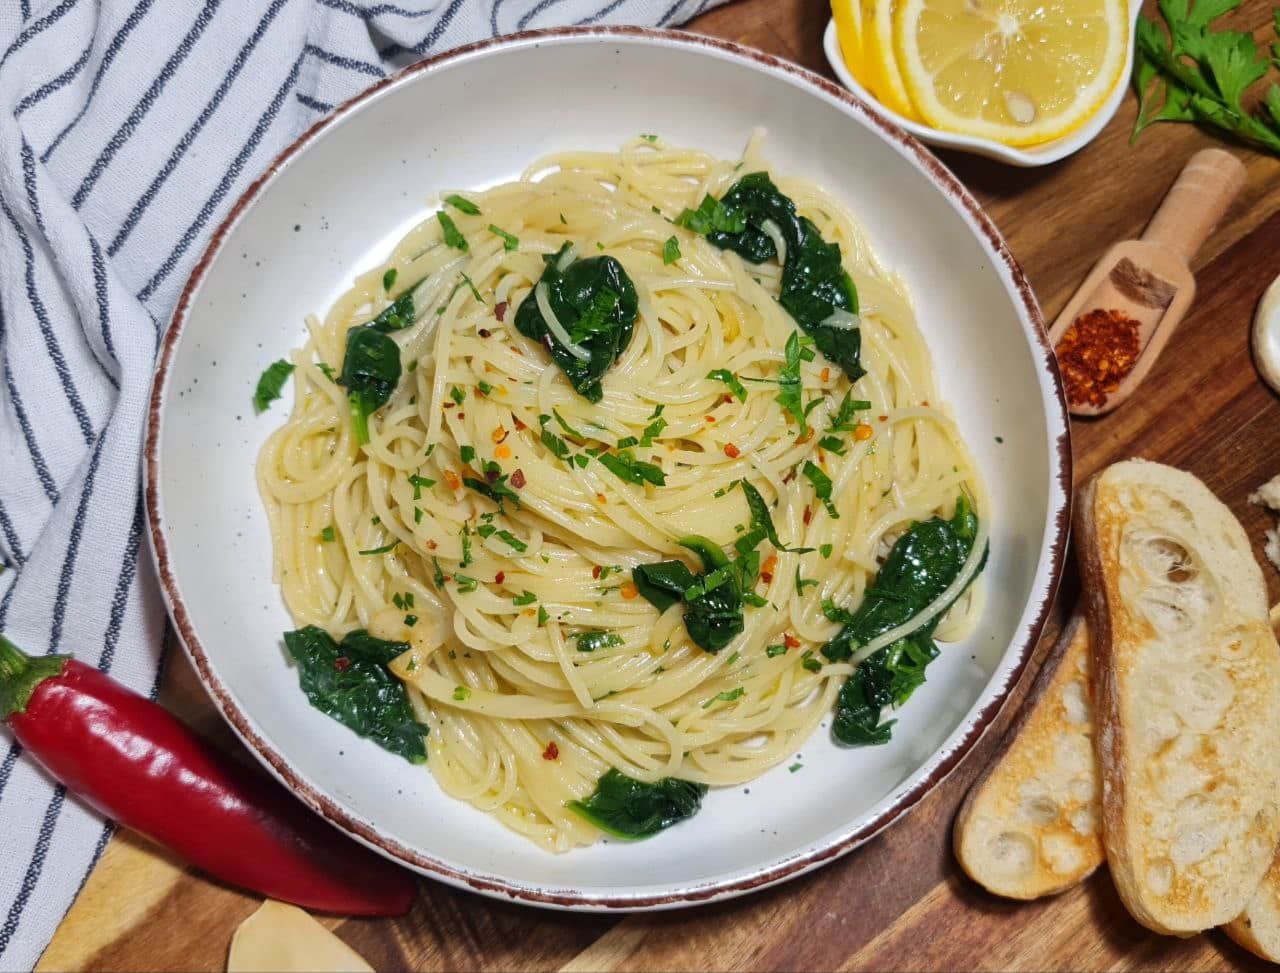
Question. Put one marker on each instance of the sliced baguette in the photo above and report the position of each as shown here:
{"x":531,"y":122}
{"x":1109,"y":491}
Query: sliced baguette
{"x":1031,"y":824}
{"x":1188,"y":696}
{"x":1257,"y":929}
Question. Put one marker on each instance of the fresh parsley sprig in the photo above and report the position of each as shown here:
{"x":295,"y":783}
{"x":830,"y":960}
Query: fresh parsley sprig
{"x":1198,"y":73}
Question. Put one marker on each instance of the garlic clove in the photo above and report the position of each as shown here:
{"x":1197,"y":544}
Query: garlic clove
{"x":1266,"y":336}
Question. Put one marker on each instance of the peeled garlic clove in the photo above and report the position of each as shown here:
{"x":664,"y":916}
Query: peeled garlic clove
{"x":1266,"y":336}
{"x":1021,"y":108}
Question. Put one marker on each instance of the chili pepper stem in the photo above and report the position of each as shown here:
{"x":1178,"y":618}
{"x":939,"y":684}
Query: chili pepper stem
{"x":20,"y":674}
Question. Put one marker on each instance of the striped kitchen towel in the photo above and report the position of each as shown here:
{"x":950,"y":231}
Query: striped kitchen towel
{"x":133,"y":126}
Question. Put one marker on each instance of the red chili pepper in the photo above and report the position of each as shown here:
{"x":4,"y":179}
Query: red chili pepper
{"x":134,"y":762}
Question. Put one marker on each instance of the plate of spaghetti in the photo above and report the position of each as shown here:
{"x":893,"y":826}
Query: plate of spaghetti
{"x":676,"y":461}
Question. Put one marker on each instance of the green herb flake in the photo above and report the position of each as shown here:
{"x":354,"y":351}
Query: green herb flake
{"x":773,"y":651}
{"x":457,"y":395}
{"x":468,"y":453}
{"x":802,"y":583}
{"x":728,"y":696}
{"x":385,"y":549}
{"x":461,"y":694}
{"x":513,"y":542}
{"x":543,"y":616}
{"x":411,"y":620}
{"x":328,"y":536}
{"x":649,"y":138}
{"x":525,"y":598}
{"x":420,"y":483}
{"x":627,"y":468}
{"x":452,"y":237}
{"x":474,"y":293}
{"x":509,"y":242}
{"x":736,"y":387}
{"x":670,"y":250}
{"x":389,"y":279}
{"x":821,"y":487}
{"x":592,"y":641}
{"x":812,"y":664}
{"x":825,"y":550}
{"x":270,"y":384}
{"x":462,"y":205}
{"x":796,"y":766}
{"x":465,"y":585}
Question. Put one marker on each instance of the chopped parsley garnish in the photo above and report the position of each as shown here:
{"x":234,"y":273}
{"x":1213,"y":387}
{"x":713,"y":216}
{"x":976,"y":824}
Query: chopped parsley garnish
{"x":389,"y":279}
{"x":328,"y":536}
{"x":494,"y":486}
{"x":465,"y":585}
{"x":797,"y":349}
{"x":465,"y":535}
{"x":654,"y":429}
{"x":627,"y":442}
{"x":774,"y":651}
{"x":411,"y":620}
{"x":457,"y":395}
{"x":437,"y":575}
{"x":842,"y":421}
{"x":417,"y":515}
{"x":724,"y":375}
{"x":794,"y":767}
{"x":452,"y":236}
{"x":670,"y":250}
{"x":525,"y":598}
{"x":420,"y":483}
{"x":582,"y":461}
{"x":474,"y":293}
{"x":558,"y":447}
{"x":732,"y":659}
{"x":649,"y":138}
{"x":327,"y":369}
{"x":270,"y":384}
{"x":462,"y":205}
{"x":810,"y":663}
{"x":385,"y":549}
{"x":832,"y":444}
{"x":513,"y":542}
{"x":802,"y":583}
{"x":509,"y":242}
{"x":825,"y":550}
{"x":591,"y":641}
{"x":461,"y":693}
{"x":543,"y":616}
{"x":568,"y":429}
{"x":468,"y":453}
{"x":726,"y":697}
{"x":821,"y":487}
{"x":627,"y":468}
{"x":484,"y":387}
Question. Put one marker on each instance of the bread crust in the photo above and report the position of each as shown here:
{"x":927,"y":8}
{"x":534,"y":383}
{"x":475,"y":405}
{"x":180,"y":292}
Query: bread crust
{"x":1257,"y":929}
{"x":1187,"y":696}
{"x":1030,"y":825}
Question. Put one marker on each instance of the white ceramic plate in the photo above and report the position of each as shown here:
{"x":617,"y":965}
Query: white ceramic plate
{"x":329,"y":207}
{"x":1035,"y":155}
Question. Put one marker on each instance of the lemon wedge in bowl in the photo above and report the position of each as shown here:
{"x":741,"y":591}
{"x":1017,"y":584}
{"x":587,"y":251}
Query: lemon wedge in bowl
{"x":1019,"y":72}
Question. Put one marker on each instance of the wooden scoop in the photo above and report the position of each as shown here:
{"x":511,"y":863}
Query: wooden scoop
{"x":1149,"y":280}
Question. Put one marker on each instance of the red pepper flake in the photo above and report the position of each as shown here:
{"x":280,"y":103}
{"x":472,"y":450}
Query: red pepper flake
{"x":710,"y":418}
{"x":552,"y":752}
{"x":884,"y":418}
{"x":789,"y":477}
{"x":431,"y":545}
{"x":342,"y":663}
{"x":517,"y":479}
{"x":485,"y":333}
{"x":500,"y":310}
{"x":499,"y":435}
{"x":732,"y":451}
{"x":726,"y":399}
{"x":808,"y":515}
{"x":790,"y":641}
{"x":925,"y":403}
{"x":450,"y":405}
{"x":520,"y":426}
{"x":500,"y":577}
{"x":1096,"y":354}
{"x":629,"y":591}
{"x":801,"y":440}
{"x":595,"y":571}
{"x":452,"y":479}
{"x":826,"y":374}
{"x":600,"y":498}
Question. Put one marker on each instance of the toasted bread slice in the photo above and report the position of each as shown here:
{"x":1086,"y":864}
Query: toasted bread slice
{"x":1188,"y":696}
{"x":1031,"y":824}
{"x":1257,"y":929}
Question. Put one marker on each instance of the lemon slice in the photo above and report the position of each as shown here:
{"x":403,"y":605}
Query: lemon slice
{"x":1015,"y":71}
{"x":885,"y":79}
{"x":848,"y":17}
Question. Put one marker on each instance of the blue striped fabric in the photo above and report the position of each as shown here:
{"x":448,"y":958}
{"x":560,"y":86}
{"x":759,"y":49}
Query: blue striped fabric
{"x":134,"y":126}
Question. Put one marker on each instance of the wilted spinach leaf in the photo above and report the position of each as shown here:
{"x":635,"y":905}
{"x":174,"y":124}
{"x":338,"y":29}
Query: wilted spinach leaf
{"x":350,"y":682}
{"x":270,"y":383}
{"x":920,"y":566}
{"x":814,"y":281}
{"x":595,"y":302}
{"x":630,"y":809}
{"x":370,"y":373}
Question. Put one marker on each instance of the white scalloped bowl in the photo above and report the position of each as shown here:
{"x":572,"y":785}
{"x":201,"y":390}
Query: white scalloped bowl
{"x":332,"y":204}
{"x":1028,"y":157}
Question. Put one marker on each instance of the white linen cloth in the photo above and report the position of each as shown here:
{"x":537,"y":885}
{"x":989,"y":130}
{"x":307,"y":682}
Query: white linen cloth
{"x":130,"y":128}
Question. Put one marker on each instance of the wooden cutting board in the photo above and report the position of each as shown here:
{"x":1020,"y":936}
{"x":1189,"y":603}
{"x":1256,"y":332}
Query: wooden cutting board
{"x":900,"y":901}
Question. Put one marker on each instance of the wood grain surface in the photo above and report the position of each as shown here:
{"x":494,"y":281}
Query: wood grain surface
{"x":898,"y":902}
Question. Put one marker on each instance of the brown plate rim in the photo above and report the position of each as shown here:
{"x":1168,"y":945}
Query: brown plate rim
{"x":717,"y":888}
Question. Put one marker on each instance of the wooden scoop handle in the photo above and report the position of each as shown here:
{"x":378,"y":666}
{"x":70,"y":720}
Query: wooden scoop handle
{"x":1198,"y":200}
